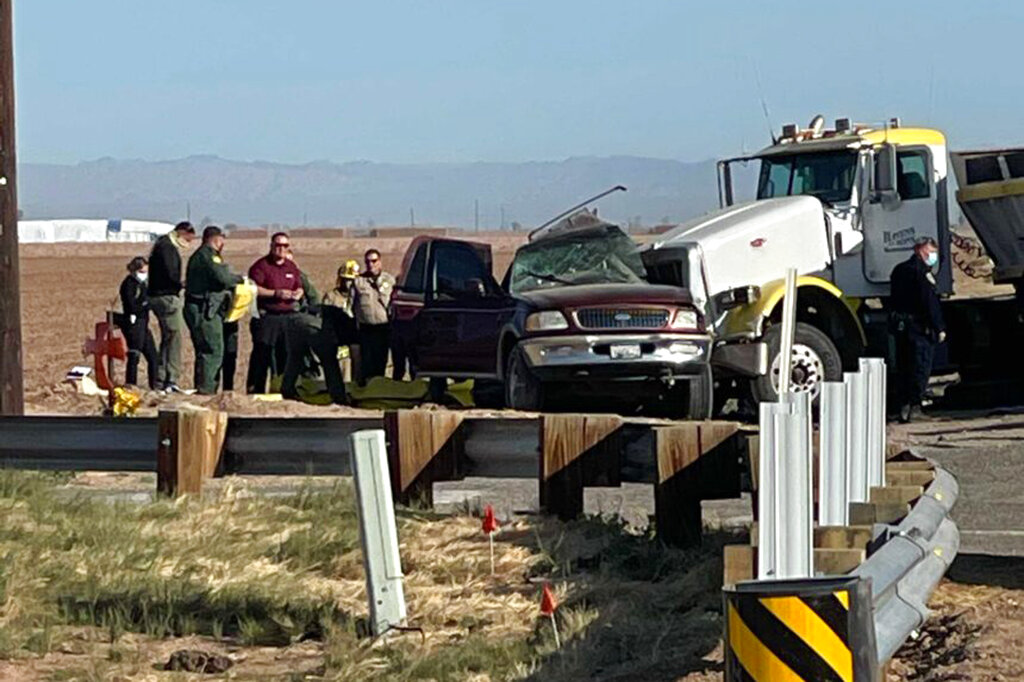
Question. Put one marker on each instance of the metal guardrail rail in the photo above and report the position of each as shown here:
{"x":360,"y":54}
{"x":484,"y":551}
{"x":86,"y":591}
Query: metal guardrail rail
{"x":498,"y":447}
{"x":914,"y":555}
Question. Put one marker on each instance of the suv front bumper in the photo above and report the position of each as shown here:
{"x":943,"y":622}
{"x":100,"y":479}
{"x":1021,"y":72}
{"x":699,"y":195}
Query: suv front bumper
{"x":590,"y":355}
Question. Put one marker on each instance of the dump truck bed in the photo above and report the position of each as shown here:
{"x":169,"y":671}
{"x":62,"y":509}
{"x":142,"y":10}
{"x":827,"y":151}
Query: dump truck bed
{"x":991,"y":195}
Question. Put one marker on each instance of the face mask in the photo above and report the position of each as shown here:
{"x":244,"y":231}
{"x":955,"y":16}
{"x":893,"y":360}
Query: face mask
{"x":933,"y":259}
{"x":142,"y":276}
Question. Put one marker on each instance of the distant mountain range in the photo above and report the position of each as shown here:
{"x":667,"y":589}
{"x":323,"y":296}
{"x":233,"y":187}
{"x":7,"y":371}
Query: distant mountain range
{"x":363,"y":193}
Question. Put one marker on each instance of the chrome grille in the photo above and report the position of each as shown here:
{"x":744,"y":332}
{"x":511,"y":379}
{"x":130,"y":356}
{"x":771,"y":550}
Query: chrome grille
{"x":622,"y":318}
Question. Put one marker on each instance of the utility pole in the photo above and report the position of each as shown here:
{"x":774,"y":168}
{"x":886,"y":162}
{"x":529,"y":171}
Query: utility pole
{"x":503,"y":216}
{"x":12,"y":398}
{"x":188,"y":211}
{"x":412,"y":218}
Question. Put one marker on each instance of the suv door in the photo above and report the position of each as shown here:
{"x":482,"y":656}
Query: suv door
{"x":408,"y":300}
{"x":463,"y":314}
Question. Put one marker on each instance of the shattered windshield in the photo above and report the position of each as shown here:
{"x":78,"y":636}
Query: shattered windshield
{"x":826,"y":175}
{"x":604,"y":256}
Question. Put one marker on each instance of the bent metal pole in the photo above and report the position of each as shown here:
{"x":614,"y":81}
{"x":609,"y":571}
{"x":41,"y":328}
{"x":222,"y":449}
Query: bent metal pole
{"x":788,"y":331}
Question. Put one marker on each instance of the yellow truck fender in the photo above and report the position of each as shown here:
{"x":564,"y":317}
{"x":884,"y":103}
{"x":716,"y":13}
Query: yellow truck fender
{"x":749,"y":320}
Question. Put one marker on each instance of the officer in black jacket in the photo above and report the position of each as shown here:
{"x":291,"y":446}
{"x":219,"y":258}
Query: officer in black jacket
{"x":134,"y":323}
{"x":916,"y":321}
{"x":165,"y":286}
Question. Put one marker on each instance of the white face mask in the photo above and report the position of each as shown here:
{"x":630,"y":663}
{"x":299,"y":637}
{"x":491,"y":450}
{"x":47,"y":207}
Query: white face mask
{"x":142,"y":276}
{"x":932,"y":259}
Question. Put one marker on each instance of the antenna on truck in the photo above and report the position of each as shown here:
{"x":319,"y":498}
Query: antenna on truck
{"x":616,"y":188}
{"x":764,"y":103}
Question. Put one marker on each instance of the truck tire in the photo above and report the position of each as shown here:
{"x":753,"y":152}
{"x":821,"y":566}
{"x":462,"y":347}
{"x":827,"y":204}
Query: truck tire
{"x":523,"y":391}
{"x":815,"y":359}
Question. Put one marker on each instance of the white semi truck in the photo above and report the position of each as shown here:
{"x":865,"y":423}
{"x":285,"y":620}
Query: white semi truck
{"x":843,"y":206}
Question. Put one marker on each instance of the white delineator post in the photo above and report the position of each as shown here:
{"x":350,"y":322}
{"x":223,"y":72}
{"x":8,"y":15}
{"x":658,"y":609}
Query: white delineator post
{"x":766,"y":493}
{"x":874,"y":433}
{"x":833,"y":492}
{"x":377,"y":530}
{"x":856,"y":436}
{"x":785,"y":505}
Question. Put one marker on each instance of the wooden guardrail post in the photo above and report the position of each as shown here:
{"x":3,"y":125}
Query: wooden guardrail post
{"x":696,"y":461}
{"x":189,"y":445}
{"x":577,"y":450}
{"x":424,"y":446}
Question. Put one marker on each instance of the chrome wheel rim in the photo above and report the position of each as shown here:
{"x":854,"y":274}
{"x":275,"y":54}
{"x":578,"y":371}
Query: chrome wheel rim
{"x":808,"y":371}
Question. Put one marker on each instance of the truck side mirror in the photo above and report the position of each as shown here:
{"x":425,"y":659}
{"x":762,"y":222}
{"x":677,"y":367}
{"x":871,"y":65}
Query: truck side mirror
{"x":885,"y":176}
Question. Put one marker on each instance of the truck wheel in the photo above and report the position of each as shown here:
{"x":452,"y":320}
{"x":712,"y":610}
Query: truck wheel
{"x":815,"y":359}
{"x":522,"y":389}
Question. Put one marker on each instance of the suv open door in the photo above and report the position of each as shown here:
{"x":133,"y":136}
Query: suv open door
{"x":450,"y":311}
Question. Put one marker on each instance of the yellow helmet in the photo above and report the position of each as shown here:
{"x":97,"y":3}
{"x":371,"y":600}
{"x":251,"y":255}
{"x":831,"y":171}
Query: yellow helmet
{"x":350,"y":270}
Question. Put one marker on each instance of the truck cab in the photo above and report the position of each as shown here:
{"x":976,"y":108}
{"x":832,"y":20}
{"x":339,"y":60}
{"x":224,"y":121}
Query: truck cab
{"x":843,"y":206}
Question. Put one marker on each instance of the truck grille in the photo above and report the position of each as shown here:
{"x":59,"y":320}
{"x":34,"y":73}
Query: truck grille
{"x":622,"y":318}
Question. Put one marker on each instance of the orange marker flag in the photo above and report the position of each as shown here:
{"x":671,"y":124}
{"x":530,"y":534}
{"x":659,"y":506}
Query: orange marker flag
{"x":548,"y":604}
{"x":490,"y":526}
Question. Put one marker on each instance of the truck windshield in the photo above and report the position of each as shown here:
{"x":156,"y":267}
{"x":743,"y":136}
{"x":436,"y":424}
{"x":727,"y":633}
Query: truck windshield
{"x":594,"y":257}
{"x":826,"y":175}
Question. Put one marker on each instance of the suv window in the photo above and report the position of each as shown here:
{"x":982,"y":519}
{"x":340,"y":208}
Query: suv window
{"x":913,"y":179}
{"x":413,"y":282}
{"x":459,"y":273}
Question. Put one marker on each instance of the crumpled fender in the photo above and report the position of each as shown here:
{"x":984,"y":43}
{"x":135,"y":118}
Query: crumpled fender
{"x":748,"y":320}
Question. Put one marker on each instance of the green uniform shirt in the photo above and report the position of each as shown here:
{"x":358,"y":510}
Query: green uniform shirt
{"x":207,"y":273}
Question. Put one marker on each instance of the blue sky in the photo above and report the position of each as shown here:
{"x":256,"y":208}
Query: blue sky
{"x":460,"y":80}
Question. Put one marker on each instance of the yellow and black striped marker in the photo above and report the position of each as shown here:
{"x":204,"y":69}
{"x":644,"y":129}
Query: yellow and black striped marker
{"x":816,"y":630}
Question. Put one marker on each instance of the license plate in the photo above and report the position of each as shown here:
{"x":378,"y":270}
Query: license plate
{"x":625,"y":351}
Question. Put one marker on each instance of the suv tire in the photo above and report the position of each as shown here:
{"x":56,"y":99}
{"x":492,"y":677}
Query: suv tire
{"x":700,"y":396}
{"x":523,"y":391}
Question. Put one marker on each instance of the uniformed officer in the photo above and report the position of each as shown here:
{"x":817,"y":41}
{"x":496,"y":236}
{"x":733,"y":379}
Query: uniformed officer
{"x":208,"y":289}
{"x":916,"y":322}
{"x":373,"y":296}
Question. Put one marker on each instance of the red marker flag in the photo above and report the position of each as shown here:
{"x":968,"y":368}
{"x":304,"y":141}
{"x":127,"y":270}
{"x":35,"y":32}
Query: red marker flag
{"x":548,"y":603}
{"x":490,"y":524}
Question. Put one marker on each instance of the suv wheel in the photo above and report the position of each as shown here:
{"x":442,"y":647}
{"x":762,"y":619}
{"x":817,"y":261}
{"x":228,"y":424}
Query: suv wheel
{"x":523,"y":391}
{"x":690,"y":398}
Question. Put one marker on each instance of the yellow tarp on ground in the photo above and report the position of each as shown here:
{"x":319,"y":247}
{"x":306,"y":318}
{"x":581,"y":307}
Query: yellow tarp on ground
{"x":381,"y":393}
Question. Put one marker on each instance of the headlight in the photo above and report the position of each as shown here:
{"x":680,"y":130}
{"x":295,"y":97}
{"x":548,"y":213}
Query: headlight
{"x":685,"y":319}
{"x":546,"y":320}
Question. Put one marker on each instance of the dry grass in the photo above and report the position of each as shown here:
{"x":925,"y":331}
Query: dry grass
{"x":277,"y":583}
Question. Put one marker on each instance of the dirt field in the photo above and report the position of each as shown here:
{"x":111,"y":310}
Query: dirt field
{"x":67,"y":287}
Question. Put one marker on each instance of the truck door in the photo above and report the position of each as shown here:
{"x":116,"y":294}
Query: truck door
{"x":891,"y":230}
{"x":464,"y":312}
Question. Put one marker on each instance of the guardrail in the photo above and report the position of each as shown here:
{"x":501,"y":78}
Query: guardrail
{"x":685,"y":462}
{"x":912,"y":557}
{"x":815,"y":615}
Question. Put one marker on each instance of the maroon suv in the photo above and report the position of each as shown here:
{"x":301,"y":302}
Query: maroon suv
{"x":574,"y":312}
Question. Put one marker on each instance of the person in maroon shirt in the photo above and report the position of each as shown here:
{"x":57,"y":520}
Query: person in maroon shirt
{"x":279,"y":286}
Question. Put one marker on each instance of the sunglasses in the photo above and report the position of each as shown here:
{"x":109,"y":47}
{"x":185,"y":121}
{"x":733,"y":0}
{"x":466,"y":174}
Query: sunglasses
{"x":280,"y":245}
